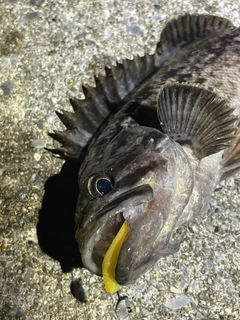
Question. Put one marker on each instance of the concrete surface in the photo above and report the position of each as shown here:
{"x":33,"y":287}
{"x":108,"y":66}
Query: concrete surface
{"x":47,"y":49}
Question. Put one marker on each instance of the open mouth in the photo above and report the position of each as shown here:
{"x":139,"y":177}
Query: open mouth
{"x":106,"y":251}
{"x":101,"y":245}
{"x":108,"y":234}
{"x":111,"y":258}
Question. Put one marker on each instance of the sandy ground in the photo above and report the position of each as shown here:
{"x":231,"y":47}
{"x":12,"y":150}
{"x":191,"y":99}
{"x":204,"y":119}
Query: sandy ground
{"x":47,"y":50}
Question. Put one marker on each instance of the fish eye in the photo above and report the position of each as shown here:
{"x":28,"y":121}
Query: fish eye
{"x":104,"y":186}
{"x":99,"y":185}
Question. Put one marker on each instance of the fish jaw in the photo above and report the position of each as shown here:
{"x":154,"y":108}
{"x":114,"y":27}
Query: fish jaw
{"x":151,"y":208}
{"x":96,"y":238}
{"x":151,"y":234}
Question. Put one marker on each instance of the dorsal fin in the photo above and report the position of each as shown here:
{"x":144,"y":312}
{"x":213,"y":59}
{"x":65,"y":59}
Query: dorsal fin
{"x":121,"y":79}
{"x":185,"y":29}
{"x":90,"y":112}
{"x":190,"y":114}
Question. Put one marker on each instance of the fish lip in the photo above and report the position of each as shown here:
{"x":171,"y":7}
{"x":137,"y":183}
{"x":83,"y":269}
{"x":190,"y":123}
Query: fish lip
{"x":140,"y":195}
{"x":128,"y":274}
{"x":132,"y":193}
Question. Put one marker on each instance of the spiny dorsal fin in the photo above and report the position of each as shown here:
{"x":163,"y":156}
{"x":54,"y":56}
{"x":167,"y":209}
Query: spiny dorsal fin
{"x":90,"y":112}
{"x":80,"y":125}
{"x":187,"y":28}
{"x":190,"y":114}
{"x":121,"y":79}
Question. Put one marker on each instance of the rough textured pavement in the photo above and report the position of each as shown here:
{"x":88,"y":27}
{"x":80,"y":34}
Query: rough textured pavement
{"x":47,"y":49}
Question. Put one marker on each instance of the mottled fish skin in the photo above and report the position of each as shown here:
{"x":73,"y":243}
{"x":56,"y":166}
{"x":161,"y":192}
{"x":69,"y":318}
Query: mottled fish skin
{"x":163,"y":148}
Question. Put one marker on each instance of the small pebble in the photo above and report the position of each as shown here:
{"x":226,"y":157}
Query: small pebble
{"x":22,"y":193}
{"x":177,"y":303}
{"x":123,"y":307}
{"x":7,"y":87}
{"x":175,"y":290}
{"x":38,"y":143}
{"x":78,"y":291}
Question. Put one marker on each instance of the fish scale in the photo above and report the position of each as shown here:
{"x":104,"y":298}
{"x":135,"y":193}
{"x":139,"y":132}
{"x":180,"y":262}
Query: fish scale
{"x":159,"y":132}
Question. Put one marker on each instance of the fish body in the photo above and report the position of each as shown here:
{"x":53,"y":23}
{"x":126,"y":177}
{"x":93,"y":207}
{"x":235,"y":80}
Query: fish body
{"x":154,"y":138}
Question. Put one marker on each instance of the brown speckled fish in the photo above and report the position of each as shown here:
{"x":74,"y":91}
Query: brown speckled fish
{"x":155,"y":136}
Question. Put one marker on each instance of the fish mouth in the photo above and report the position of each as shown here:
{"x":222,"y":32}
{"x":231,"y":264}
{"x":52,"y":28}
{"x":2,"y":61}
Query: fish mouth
{"x":109,"y":233}
{"x":100,"y":232}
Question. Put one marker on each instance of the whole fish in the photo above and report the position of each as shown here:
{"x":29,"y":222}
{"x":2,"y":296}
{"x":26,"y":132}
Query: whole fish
{"x":154,"y":138}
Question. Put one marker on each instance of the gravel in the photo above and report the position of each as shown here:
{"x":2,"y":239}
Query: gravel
{"x":47,"y":50}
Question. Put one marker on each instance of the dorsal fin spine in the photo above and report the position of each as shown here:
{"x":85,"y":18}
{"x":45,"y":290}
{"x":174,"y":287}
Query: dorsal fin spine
{"x":124,"y":77}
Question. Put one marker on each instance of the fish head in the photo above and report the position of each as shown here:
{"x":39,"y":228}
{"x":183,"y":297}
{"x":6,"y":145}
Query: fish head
{"x":142,"y":176}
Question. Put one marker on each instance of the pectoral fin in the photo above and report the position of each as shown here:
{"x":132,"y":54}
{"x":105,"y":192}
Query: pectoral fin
{"x":192,"y":115}
{"x":231,"y":157}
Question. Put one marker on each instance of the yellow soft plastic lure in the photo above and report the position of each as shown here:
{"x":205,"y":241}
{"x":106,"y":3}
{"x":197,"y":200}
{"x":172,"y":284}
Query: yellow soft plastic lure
{"x":111,"y":258}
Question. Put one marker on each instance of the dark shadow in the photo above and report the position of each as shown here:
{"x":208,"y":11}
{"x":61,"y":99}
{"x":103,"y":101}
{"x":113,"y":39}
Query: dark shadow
{"x":55,"y":228}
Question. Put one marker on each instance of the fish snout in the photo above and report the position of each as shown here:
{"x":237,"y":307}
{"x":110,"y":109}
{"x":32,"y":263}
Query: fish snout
{"x":95,"y":237}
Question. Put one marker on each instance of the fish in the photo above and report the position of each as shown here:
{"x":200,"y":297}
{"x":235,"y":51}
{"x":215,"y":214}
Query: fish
{"x":153,"y":139}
